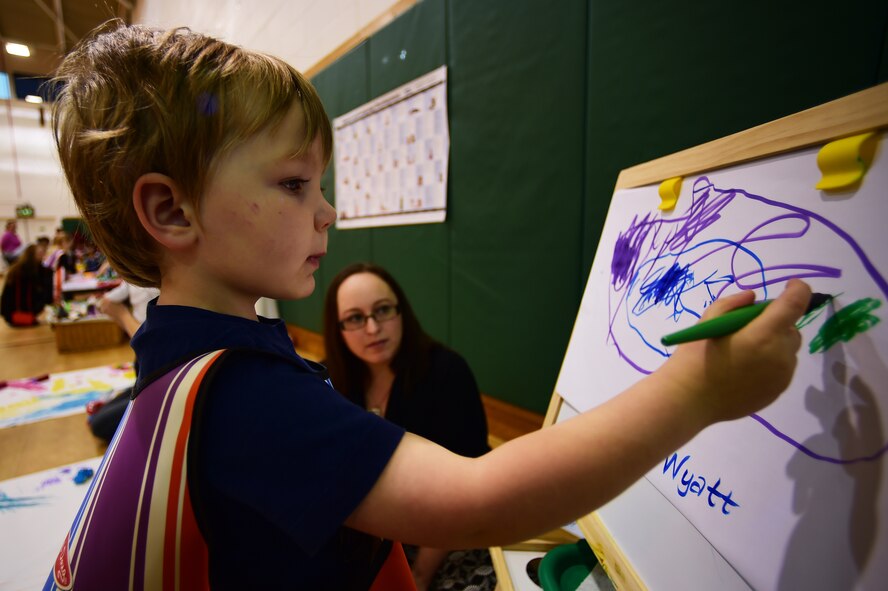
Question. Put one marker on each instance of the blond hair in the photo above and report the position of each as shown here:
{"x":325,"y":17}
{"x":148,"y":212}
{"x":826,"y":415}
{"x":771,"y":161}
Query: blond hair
{"x":134,"y":100}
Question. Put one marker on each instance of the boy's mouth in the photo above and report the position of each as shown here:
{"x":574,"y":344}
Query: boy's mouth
{"x":315,"y":259}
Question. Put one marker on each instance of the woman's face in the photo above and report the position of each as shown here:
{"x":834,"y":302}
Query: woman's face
{"x":363,"y":294}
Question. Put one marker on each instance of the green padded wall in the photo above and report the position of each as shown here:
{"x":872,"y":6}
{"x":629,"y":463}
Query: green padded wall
{"x":516,"y":171}
{"x":418,"y":256}
{"x":693,"y":71}
{"x":547,"y":103}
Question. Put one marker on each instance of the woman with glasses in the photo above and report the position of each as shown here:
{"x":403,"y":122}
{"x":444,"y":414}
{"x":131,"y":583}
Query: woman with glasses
{"x":380,"y":358}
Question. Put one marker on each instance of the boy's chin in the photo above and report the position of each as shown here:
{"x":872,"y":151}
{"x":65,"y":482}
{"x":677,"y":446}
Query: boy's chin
{"x":305,"y":289}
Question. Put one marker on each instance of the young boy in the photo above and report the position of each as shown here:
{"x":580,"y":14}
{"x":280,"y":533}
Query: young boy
{"x":197,"y":166}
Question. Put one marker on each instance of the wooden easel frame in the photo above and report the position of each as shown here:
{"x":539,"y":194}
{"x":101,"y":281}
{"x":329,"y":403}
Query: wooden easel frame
{"x":857,"y":113}
{"x":544,"y":543}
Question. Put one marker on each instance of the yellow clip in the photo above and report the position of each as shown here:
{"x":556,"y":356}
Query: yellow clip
{"x":669,"y":190}
{"x":844,"y":162}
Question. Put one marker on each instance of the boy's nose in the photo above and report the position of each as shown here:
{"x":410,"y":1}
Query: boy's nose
{"x":325,"y":216}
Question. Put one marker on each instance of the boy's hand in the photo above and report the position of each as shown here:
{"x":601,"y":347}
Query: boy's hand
{"x":114,"y":310}
{"x":733,"y":376}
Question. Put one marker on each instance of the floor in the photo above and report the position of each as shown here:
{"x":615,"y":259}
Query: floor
{"x":27,"y":352}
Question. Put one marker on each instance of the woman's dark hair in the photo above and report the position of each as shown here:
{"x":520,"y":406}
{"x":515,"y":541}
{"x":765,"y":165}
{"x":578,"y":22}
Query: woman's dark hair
{"x":348,"y":373}
{"x":26,"y":265}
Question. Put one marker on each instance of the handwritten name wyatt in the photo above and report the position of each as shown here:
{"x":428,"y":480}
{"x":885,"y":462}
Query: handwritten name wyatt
{"x":694,"y":484}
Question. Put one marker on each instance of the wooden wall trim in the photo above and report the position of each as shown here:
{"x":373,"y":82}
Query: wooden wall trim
{"x":308,"y":343}
{"x":506,"y":421}
{"x":396,"y":10}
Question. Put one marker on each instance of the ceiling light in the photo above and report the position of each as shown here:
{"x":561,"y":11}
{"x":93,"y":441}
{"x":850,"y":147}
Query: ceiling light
{"x":31,"y":98}
{"x":18,"y":49}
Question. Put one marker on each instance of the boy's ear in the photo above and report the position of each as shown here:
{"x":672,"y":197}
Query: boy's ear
{"x":164,"y":211}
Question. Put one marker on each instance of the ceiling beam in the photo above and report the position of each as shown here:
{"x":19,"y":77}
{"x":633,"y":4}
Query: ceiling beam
{"x":60,"y":27}
{"x":59,"y":22}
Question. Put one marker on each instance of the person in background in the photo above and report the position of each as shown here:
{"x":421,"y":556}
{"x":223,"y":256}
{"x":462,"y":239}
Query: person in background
{"x":61,"y":254}
{"x":42,"y":243}
{"x":381,"y":359}
{"x":128,"y":317}
{"x":92,"y":258}
{"x":11,"y":244}
{"x":104,"y":419}
{"x":61,"y":261}
{"x":27,"y":289}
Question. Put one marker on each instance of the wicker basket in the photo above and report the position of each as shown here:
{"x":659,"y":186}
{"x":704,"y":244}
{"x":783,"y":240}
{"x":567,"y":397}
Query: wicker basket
{"x":83,"y":335}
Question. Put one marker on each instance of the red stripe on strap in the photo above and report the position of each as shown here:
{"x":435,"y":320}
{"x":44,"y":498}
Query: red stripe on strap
{"x":395,"y":572}
{"x":193,"y":548}
{"x":194,"y":569}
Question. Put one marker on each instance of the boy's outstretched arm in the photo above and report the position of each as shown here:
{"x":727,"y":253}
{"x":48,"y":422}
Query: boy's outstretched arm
{"x":540,"y":481}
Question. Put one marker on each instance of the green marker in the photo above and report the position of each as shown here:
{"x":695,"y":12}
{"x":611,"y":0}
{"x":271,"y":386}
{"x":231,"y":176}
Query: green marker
{"x":731,"y":322}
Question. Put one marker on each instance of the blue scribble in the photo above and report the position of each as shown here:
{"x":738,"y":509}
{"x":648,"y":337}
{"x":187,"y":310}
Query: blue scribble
{"x":665,"y":286}
{"x":8,"y":503}
{"x":83,"y":475}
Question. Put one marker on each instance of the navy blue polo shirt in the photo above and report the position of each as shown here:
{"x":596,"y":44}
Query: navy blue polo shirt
{"x":280,"y":459}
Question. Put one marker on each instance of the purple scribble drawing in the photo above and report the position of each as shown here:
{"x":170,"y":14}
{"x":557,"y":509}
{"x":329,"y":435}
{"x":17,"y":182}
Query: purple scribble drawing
{"x":666,"y":271}
{"x":52,"y":481}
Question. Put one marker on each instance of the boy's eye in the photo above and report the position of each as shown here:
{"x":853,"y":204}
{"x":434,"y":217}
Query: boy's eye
{"x":294,"y":185}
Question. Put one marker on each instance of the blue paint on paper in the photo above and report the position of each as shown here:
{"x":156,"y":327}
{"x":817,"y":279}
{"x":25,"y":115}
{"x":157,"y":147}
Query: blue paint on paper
{"x":8,"y":503}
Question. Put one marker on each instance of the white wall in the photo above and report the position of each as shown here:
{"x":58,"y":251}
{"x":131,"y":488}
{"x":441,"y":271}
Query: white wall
{"x":302,"y":32}
{"x":27,"y":151}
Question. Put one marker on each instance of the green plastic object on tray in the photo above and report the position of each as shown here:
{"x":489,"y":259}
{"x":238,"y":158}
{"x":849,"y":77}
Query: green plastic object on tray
{"x":565,"y":567}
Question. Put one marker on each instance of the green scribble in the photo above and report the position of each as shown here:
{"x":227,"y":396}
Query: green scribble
{"x":845,"y":324}
{"x":815,"y":313}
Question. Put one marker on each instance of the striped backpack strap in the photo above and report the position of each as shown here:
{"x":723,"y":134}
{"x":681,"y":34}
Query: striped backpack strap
{"x":136,"y":527}
{"x":394,"y":575}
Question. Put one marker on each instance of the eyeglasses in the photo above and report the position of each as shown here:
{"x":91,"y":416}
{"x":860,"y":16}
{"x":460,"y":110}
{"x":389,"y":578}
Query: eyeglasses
{"x":382,"y":313}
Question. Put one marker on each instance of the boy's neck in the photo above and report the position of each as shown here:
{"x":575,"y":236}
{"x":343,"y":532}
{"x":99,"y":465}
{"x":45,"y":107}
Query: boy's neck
{"x":195,"y":295}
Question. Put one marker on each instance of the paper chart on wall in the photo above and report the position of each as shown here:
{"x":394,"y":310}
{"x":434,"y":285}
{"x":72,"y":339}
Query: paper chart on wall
{"x":391,"y":157}
{"x":795,"y":496}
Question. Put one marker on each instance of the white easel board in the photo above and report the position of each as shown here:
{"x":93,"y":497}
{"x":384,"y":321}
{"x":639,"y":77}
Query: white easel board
{"x":795,"y":496}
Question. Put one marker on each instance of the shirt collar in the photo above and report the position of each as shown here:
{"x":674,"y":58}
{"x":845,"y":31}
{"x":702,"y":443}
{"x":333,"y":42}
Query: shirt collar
{"x":172,"y":334}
